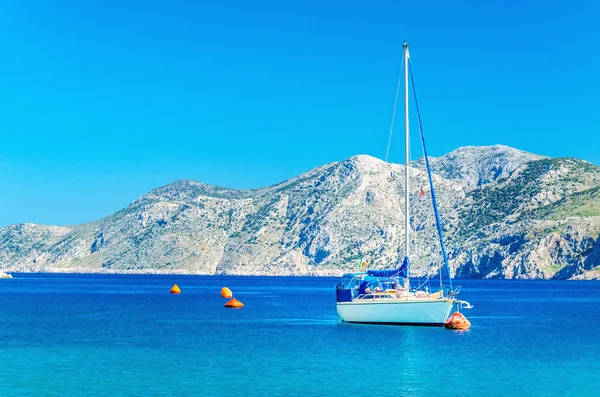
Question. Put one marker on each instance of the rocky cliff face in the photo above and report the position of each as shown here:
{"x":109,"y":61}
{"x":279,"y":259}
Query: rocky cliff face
{"x":473,"y":166}
{"x":506,"y":214}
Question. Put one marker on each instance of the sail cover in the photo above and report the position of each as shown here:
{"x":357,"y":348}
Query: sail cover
{"x":402,"y":271}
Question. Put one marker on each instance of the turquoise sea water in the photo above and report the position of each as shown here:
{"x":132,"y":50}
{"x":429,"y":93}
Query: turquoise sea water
{"x":127,"y":335}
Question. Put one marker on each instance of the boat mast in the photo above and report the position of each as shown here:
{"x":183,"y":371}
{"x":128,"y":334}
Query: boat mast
{"x":406,"y":155}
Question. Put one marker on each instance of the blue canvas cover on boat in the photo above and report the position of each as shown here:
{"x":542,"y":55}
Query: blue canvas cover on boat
{"x":344,"y":295}
{"x":402,"y":271}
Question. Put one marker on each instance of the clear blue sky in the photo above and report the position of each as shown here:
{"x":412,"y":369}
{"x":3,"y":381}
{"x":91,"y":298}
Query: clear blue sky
{"x":102,"y":101}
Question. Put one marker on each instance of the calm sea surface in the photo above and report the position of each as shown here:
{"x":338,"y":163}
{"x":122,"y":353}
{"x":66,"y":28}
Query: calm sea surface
{"x":127,"y":335}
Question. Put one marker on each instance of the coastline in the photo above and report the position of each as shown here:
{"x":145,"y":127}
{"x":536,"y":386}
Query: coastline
{"x":13,"y":274}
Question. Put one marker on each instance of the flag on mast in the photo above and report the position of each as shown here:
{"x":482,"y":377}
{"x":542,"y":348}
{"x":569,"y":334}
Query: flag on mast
{"x":362,"y":264}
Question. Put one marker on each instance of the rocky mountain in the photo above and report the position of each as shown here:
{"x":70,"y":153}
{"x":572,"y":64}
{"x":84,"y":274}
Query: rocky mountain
{"x":473,"y":166}
{"x":506,"y":214}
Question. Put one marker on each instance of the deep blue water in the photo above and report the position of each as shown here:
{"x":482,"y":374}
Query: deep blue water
{"x":127,"y":335}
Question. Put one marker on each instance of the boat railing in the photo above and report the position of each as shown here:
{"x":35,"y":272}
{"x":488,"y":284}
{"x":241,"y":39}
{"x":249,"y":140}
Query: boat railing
{"x":464,"y":304}
{"x":379,"y":295}
{"x":401,"y":295}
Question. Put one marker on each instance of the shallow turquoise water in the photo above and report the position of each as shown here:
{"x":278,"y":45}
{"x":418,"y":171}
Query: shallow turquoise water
{"x":126,"y":335}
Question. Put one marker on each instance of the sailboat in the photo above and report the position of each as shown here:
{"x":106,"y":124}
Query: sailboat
{"x":386,"y":296}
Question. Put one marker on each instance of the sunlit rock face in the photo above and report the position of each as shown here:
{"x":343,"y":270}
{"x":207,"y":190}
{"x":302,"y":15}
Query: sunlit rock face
{"x":505,"y":214}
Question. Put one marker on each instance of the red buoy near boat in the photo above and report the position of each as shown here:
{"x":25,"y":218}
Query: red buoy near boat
{"x":234,"y":304}
{"x":457,"y":321}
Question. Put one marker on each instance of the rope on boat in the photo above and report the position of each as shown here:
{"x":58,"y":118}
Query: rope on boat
{"x":387,"y":152}
{"x":435,"y":208}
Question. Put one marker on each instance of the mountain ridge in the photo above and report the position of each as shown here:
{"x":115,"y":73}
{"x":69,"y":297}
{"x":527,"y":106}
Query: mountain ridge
{"x":506,"y":214}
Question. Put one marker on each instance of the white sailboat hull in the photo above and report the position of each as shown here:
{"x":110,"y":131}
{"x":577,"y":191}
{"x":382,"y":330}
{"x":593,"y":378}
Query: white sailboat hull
{"x":396,"y":311}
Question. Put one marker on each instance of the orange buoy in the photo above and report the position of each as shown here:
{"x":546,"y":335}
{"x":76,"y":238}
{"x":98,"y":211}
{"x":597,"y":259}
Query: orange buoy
{"x":457,"y":321}
{"x":175,"y":289}
{"x":226,"y":293}
{"x":234,"y":304}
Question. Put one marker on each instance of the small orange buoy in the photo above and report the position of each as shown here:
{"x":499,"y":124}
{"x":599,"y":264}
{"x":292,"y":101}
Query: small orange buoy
{"x":175,"y":289}
{"x":457,"y":321}
{"x":234,"y":304}
{"x":226,"y":293}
